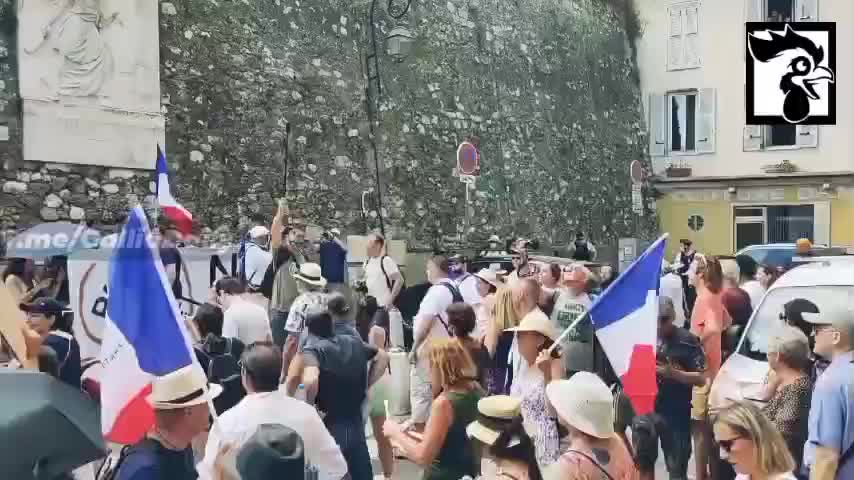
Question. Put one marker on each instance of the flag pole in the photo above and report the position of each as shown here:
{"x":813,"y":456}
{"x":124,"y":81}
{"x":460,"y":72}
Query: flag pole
{"x":613,"y":284}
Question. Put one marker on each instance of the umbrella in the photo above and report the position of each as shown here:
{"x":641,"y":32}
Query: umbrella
{"x":52,"y":240}
{"x":46,"y":427}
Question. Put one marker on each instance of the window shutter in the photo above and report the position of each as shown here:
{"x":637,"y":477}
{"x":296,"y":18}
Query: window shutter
{"x":674,"y":39}
{"x":657,"y":125}
{"x":691,"y":36}
{"x":752,"y":138}
{"x":807,"y":136}
{"x":705,"y":121}
{"x":754,"y":10}
{"x":806,"y":11}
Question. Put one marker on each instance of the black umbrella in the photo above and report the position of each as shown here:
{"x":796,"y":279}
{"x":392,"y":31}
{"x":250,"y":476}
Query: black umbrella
{"x":46,"y":427}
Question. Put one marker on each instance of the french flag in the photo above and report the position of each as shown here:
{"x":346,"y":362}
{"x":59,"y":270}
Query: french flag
{"x":625,"y":319}
{"x":144,"y":334}
{"x":182,"y":218}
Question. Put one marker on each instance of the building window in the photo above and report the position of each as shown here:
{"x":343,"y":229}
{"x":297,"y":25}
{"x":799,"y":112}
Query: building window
{"x":781,"y":136}
{"x":779,"y":10}
{"x":773,"y":137}
{"x":696,"y":222}
{"x":683,"y":42}
{"x":683,"y":124}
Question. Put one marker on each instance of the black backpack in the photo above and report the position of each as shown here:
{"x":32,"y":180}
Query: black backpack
{"x":109,"y":470}
{"x":224,"y":369}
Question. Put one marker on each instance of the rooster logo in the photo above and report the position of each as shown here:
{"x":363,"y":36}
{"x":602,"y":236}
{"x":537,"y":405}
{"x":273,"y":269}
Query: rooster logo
{"x":803,"y":71}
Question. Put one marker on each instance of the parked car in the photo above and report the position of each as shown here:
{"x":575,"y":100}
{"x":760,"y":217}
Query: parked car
{"x":823,"y":282}
{"x":781,"y":254}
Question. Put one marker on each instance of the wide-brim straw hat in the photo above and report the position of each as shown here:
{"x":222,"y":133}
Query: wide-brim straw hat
{"x":310,"y":273}
{"x":585,"y":403}
{"x":494,"y":414}
{"x":489,"y":277}
{"x":536,"y":321}
{"x":185,"y":387}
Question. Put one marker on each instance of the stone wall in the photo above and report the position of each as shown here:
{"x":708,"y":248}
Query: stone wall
{"x":548,"y":85}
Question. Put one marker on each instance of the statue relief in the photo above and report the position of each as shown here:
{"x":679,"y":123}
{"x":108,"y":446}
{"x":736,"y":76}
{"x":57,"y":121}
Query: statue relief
{"x":75,"y":32}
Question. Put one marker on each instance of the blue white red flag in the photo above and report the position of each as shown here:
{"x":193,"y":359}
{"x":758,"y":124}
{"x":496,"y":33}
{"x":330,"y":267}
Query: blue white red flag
{"x":144,"y":334}
{"x":625,"y":319}
{"x":179,"y":215}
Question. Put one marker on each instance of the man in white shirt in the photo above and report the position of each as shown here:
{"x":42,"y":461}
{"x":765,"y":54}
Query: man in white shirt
{"x":382,"y":275}
{"x":466,"y":282}
{"x":257,"y":259}
{"x":431,"y":322}
{"x":242,"y":319}
{"x":265,"y":403}
{"x":671,"y":287}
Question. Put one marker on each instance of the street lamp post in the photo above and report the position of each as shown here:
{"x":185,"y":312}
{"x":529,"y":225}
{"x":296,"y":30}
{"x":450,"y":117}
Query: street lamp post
{"x":399,"y":45}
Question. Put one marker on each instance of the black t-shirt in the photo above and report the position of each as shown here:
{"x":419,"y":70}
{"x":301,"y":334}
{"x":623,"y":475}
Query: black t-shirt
{"x":149,"y":460}
{"x":171,"y":256}
{"x":684,"y":352}
{"x":342,"y":361}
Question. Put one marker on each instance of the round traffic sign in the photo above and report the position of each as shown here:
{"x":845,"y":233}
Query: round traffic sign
{"x":468,"y":159}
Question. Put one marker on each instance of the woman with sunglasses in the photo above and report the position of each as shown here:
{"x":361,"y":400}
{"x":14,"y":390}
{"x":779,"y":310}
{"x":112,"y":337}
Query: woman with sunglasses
{"x":751,"y":443}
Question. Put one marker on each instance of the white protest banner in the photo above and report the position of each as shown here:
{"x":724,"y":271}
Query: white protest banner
{"x":89,"y":289}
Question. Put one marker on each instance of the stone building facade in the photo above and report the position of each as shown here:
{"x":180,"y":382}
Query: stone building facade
{"x":247,"y":86}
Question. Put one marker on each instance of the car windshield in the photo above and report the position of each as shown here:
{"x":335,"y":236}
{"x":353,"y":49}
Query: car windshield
{"x":767,"y":318}
{"x":778,"y":257}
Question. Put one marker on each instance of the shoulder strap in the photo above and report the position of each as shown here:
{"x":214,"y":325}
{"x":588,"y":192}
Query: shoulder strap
{"x":593,"y":461}
{"x":382,"y":267}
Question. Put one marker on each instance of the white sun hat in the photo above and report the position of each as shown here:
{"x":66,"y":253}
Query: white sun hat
{"x":488,"y":276}
{"x":585,"y":403}
{"x":310,"y":273}
{"x":184,"y":387}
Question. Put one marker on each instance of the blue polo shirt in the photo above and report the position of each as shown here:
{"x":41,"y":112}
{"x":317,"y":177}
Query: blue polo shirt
{"x":333,"y":261}
{"x":831,"y":420}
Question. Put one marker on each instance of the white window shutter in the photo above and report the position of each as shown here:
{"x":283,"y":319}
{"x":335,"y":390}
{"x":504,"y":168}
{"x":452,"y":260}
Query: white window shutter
{"x":657,"y":125}
{"x":806,"y":11}
{"x":754,"y":10}
{"x":705,"y":121}
{"x":807,"y":136}
{"x":691,"y":36}
{"x":674,"y":39}
{"x":752,"y":138}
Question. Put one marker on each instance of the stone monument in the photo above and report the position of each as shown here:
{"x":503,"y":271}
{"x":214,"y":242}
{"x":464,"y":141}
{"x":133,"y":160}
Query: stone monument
{"x":90,"y":81}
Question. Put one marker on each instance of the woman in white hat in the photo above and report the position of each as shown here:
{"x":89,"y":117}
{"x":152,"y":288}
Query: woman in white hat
{"x":535,"y":335}
{"x":311,"y":299}
{"x":586,"y":406}
{"x":509,"y":452}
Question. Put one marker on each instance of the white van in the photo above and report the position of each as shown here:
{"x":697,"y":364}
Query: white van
{"x":823,"y":282}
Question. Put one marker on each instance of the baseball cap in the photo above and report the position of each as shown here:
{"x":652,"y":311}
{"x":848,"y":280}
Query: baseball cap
{"x":840,"y":316}
{"x":274,"y":451}
{"x":258,"y":231}
{"x":43,"y":305}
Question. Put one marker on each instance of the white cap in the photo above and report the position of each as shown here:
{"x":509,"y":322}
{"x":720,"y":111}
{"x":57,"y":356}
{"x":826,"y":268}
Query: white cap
{"x":258,"y":231}
{"x":335,"y":232}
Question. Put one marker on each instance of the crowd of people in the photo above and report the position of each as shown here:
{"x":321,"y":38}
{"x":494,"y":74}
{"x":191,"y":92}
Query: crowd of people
{"x":295,"y":360}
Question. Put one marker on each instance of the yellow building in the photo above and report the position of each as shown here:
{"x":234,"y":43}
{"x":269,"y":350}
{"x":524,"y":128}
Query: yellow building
{"x":723,"y":183}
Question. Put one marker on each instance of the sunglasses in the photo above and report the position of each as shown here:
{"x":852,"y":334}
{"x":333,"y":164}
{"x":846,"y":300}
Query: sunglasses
{"x":821,"y":328}
{"x":727,"y":444}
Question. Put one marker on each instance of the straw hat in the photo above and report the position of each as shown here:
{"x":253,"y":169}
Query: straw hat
{"x":494,"y":414}
{"x":310,"y":274}
{"x":184,"y":387}
{"x":585,"y":403}
{"x":488,"y":276}
{"x":536,"y":321}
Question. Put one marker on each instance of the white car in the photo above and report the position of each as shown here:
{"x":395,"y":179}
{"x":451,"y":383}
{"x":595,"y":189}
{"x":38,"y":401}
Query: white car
{"x":823,"y":282}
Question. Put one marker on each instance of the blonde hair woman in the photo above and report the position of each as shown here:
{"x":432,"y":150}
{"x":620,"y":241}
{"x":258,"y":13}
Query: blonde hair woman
{"x":445,"y":451}
{"x":498,"y":341}
{"x":751,"y":443}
